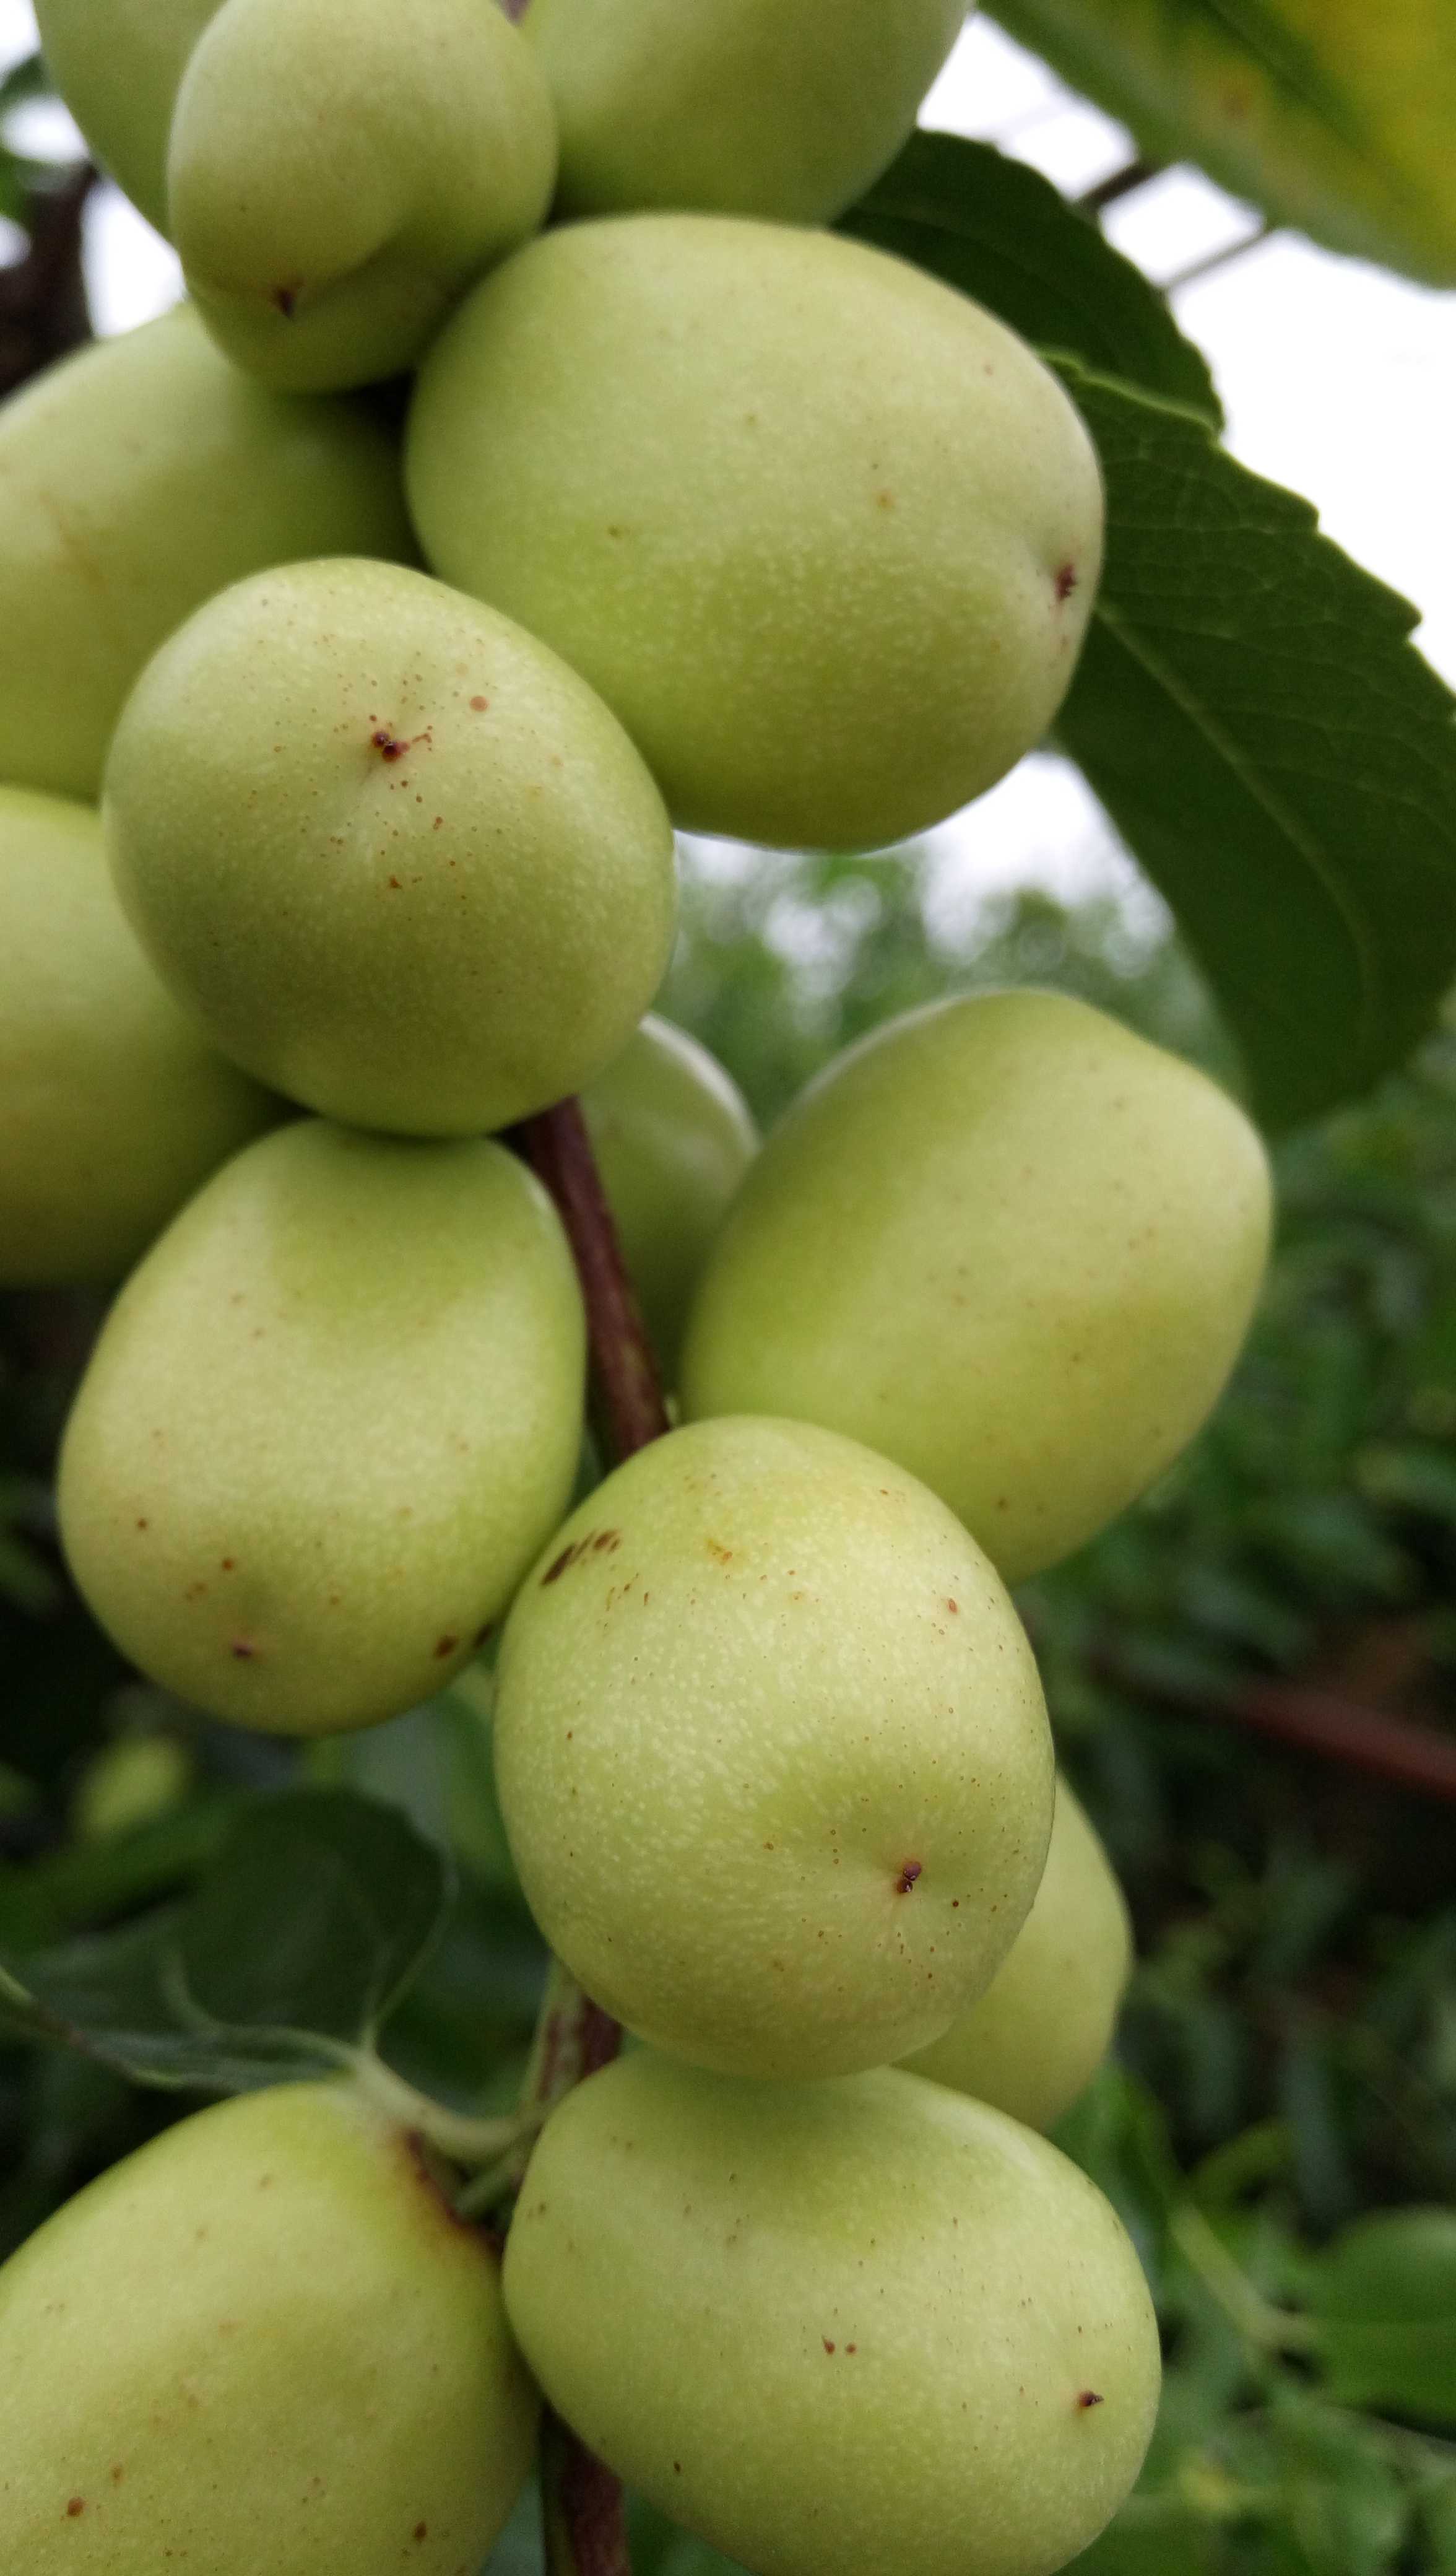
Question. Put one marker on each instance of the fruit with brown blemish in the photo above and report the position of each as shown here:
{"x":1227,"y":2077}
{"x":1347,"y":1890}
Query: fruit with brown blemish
{"x":262,"y":2340}
{"x":725,"y":1741}
{"x":1034,"y":2040}
{"x":399,"y":907}
{"x":799,"y":512}
{"x":860,"y":2325}
{"x":1006,"y":1241}
{"x":327,"y":1425}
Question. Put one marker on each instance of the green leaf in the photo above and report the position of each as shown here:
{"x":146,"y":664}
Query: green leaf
{"x":1384,"y":2299}
{"x":1249,"y":709}
{"x":998,"y":231}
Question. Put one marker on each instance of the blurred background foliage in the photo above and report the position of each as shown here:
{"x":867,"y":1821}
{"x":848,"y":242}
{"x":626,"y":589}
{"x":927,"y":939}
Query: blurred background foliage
{"x":1288,"y":2056}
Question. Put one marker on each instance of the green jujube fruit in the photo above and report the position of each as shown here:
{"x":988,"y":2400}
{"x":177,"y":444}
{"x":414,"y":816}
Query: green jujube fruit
{"x":117,"y":68}
{"x":1007,"y":1242}
{"x":397,"y":858}
{"x":335,"y":179}
{"x":786,"y":108}
{"x":823,"y":532}
{"x":137,"y":478}
{"x":1035,"y":2039}
{"x":855,"y":2325}
{"x":673,"y":1138}
{"x":772,"y":1753}
{"x":327,"y":1425}
{"x":113,"y":1107}
{"x":263,"y":2341}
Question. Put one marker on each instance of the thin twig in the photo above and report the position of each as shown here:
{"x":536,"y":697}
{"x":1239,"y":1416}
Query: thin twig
{"x":43,"y":310}
{"x":1385,"y":1747}
{"x":1119,"y":183}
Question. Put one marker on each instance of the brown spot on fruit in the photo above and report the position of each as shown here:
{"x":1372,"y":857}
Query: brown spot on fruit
{"x":828,"y":2346}
{"x":388,"y":745}
{"x":954,"y":1608}
{"x":421,"y":2531}
{"x":241,"y":1651}
{"x":909,"y":1873}
{"x":285,"y":299}
{"x":482,"y":1633}
{"x":1088,"y":2397}
{"x":445,"y":1646}
{"x":1064,"y":580}
{"x":76,"y":2505}
{"x":479,"y":705}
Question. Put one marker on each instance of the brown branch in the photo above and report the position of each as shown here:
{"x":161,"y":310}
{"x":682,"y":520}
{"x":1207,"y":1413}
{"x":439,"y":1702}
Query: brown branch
{"x":1119,"y":183}
{"x":43,"y":310}
{"x":1397,"y":1749}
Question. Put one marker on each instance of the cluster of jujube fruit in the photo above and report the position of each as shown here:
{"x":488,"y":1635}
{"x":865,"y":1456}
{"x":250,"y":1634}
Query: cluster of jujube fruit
{"x":730,"y":523}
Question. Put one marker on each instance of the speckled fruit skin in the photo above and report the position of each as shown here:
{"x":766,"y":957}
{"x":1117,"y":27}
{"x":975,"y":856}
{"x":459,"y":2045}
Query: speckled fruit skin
{"x":396,"y":857}
{"x":821,"y":531}
{"x":336,"y":178}
{"x":117,"y":69}
{"x":673,"y":1137}
{"x":856,"y":2325}
{"x":772,"y":1753}
{"x":1034,"y":2040}
{"x":1007,"y":1242}
{"x":786,"y":108}
{"x":136,"y":479}
{"x":115,"y":1106}
{"x":262,"y":2341}
{"x":327,"y":1425}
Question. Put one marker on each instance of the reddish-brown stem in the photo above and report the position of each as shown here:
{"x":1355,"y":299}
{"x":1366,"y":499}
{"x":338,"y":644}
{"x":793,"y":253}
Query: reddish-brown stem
{"x":582,"y":2502}
{"x":1385,"y":1747}
{"x":43,"y":295}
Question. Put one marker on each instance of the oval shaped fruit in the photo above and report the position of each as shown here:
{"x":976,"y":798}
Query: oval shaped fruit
{"x":118,"y":71}
{"x":673,"y":1137}
{"x":136,"y":478}
{"x":264,"y":2340}
{"x":1035,"y":2039}
{"x":751,"y":107}
{"x":113,"y":1107}
{"x":327,"y":1425}
{"x":856,"y":2325}
{"x":821,"y":531}
{"x":772,"y":1754}
{"x":1005,"y":1241}
{"x":332,"y":188}
{"x":394,"y":854}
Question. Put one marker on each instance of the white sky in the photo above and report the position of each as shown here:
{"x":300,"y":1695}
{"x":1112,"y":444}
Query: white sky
{"x":1338,"y":380}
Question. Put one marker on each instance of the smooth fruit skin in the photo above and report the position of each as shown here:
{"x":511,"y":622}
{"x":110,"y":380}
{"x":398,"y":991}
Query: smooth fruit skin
{"x":326,"y":1427}
{"x":264,"y":2341}
{"x":1035,"y":2039}
{"x":786,"y":108}
{"x":113,"y":1107}
{"x":137,"y":478}
{"x":821,"y":531}
{"x":335,"y":180}
{"x":673,"y":1137}
{"x":772,"y":1753}
{"x":398,"y":859}
{"x":1007,"y":1242}
{"x":117,"y":69}
{"x":857,"y":2325}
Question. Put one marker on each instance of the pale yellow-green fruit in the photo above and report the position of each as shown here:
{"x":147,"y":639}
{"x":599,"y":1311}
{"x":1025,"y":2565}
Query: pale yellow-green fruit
{"x":772,"y":1754}
{"x":136,"y":479}
{"x":822,"y":531}
{"x":263,"y":2341}
{"x":858,"y":2325}
{"x":1009,"y":1243}
{"x":786,"y":108}
{"x":397,"y":858}
{"x":328,"y":1423}
{"x":1034,"y":2040}
{"x":113,"y":1107}
{"x":335,"y":180}
{"x":117,"y":69}
{"x":673,"y":1137}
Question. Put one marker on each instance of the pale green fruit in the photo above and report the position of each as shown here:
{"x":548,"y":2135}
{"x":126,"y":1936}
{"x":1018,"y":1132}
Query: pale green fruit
{"x":752,"y":107}
{"x":1007,"y":1242}
{"x":1034,"y":2040}
{"x":397,"y":857}
{"x":673,"y":1138}
{"x":772,"y":1754}
{"x":336,"y":178}
{"x":328,"y":1423}
{"x":860,"y":2325}
{"x":136,"y":479}
{"x":823,"y":532}
{"x":264,"y":2341}
{"x":113,"y":1107}
{"x":117,"y":68}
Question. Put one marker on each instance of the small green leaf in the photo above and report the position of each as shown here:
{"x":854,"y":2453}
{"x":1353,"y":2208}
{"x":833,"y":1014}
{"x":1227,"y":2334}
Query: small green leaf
{"x":1250,"y":710}
{"x":998,"y":231}
{"x":1384,"y":2299}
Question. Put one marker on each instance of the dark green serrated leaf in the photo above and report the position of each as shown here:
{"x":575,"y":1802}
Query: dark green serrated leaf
{"x":1251,"y":712}
{"x":1384,"y":2298}
{"x":998,"y":231}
